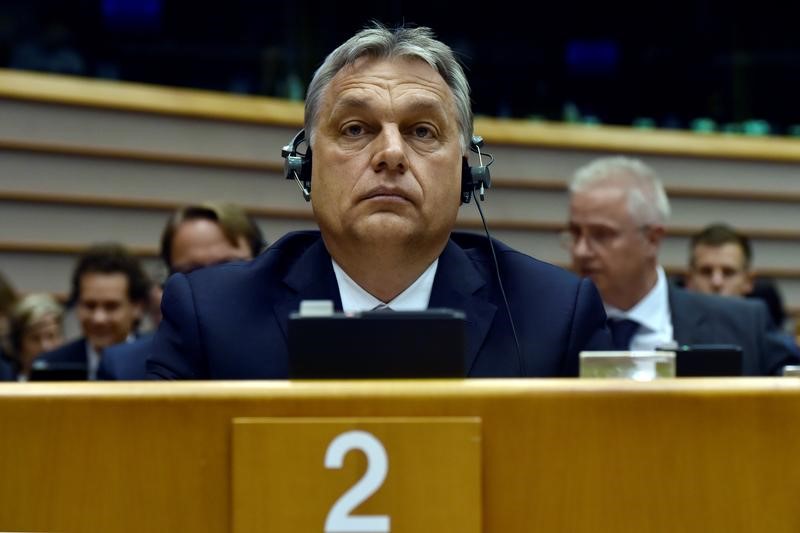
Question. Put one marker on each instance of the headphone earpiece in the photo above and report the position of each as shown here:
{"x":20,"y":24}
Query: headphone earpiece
{"x":298,"y":165}
{"x":475,"y":178}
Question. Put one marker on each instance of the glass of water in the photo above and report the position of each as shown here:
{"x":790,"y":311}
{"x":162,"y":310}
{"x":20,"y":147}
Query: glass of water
{"x":791,"y":370}
{"x":638,"y":365}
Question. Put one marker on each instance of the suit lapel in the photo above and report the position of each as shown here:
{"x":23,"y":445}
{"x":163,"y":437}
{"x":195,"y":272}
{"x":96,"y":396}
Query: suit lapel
{"x":310,"y":278}
{"x":458,"y":285}
{"x":687,"y":319}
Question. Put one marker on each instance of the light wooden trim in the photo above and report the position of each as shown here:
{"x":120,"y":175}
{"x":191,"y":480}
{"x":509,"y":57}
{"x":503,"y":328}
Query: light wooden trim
{"x":681,"y":270}
{"x":85,"y":200}
{"x":139,"y":204}
{"x":626,"y":140}
{"x":66,"y":248}
{"x":498,"y":183}
{"x":72,"y":248}
{"x":136,"y":97}
{"x":101,"y":152}
{"x":720,"y":449}
{"x":673,"y":191}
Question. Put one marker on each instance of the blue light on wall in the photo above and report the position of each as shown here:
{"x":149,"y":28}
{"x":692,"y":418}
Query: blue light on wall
{"x":132,"y":14}
{"x":592,"y":58}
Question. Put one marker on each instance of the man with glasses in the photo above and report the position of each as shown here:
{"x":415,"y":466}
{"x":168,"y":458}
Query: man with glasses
{"x":617,"y":222}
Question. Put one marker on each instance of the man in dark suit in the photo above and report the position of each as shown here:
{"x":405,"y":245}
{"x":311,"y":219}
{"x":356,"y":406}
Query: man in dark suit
{"x":720,"y":262}
{"x":109,"y":288}
{"x":7,"y":372}
{"x":618,"y":214}
{"x":194,"y":236}
{"x":389,"y":121}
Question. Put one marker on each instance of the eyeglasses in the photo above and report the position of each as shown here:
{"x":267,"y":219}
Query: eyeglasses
{"x":595,"y":236}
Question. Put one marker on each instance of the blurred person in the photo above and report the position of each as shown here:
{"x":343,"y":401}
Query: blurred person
{"x":389,"y":121}
{"x":617,"y":221}
{"x":109,"y":288}
{"x":720,"y":262}
{"x":8,"y":298}
{"x":194,"y":236}
{"x":36,"y":327}
{"x":766,"y":290}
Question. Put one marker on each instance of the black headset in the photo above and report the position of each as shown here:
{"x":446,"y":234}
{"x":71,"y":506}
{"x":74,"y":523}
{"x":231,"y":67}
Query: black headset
{"x":298,"y":167}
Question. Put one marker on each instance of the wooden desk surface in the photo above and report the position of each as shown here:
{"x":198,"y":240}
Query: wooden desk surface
{"x":558,"y":455}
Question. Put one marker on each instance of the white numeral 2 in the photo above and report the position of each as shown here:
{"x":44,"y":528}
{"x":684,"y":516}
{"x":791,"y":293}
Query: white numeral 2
{"x":339,"y":519}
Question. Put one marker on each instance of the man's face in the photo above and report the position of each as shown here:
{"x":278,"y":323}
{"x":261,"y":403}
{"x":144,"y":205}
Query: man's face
{"x":387,"y":156}
{"x":106,"y":314}
{"x":200,"y":242}
{"x":719,"y":270}
{"x":608,"y":245}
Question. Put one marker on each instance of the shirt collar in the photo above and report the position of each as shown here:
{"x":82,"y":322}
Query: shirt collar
{"x":415,"y":298}
{"x":93,"y":357}
{"x":652,"y":311}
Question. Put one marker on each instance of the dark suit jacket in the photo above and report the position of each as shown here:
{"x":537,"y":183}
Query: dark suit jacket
{"x":706,"y":319}
{"x":125,"y":361}
{"x":72,"y":352}
{"x":230,"y":321}
{"x":7,"y":368}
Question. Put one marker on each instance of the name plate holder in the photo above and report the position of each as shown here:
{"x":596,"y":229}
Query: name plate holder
{"x":336,"y":475}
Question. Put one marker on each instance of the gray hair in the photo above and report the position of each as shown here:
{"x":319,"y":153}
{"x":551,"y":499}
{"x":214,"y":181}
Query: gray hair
{"x":647,"y":199}
{"x":382,"y":43}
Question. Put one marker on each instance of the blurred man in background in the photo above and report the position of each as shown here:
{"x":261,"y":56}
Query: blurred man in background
{"x":109,"y":288}
{"x":720,"y":262}
{"x":194,"y":237}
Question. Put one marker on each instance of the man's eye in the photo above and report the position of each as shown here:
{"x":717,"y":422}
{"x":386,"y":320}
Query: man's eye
{"x":603,"y":234}
{"x":353,"y":130}
{"x":423,"y":132}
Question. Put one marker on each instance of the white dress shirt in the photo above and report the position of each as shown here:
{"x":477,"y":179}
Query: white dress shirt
{"x":415,"y":298}
{"x":653,"y":315}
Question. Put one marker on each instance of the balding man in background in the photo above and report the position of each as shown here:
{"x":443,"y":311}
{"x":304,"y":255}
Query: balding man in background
{"x":617,"y":222}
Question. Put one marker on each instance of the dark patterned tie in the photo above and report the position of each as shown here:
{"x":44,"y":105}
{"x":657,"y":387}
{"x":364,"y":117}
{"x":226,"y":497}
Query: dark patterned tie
{"x":382,"y":307}
{"x":622,"y":331}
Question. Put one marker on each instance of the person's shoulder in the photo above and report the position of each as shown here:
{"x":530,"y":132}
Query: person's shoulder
{"x":716,"y":302}
{"x":743,"y":310}
{"x":127,"y":360}
{"x":511,"y":260}
{"x":7,"y":372}
{"x":71,"y":351}
{"x":276,"y":258}
{"x":125,"y":349}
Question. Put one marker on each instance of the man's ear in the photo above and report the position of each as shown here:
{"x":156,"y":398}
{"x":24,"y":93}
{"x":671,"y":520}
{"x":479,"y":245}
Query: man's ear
{"x":138,"y":310}
{"x":750,"y":276}
{"x":654,"y":235}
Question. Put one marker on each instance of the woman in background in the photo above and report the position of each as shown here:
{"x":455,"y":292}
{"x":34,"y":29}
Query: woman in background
{"x":36,"y":327}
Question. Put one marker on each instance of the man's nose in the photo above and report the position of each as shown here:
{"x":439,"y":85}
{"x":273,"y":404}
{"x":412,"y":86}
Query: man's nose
{"x":580,"y":246}
{"x":99,"y":316}
{"x":390,"y":153}
{"x":717,"y":279}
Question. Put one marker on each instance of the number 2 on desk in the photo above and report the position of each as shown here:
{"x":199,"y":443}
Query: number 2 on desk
{"x":339,"y":519}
